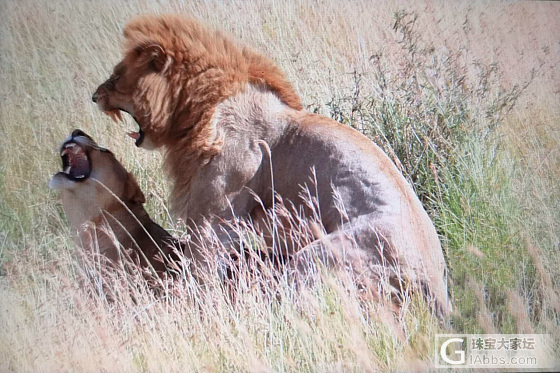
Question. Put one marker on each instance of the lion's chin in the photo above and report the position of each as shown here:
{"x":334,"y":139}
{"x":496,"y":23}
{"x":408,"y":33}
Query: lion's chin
{"x":60,"y":181}
{"x":116,"y":116}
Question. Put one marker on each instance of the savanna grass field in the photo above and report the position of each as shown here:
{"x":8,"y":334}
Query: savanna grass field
{"x":463,"y":96}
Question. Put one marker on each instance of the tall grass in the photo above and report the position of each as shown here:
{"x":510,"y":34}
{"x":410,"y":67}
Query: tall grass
{"x":463,"y":98}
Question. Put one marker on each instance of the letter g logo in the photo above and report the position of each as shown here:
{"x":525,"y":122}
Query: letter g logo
{"x":443,"y":352}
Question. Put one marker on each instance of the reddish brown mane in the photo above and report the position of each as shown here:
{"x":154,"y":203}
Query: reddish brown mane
{"x":197,"y":48}
{"x":204,"y":67}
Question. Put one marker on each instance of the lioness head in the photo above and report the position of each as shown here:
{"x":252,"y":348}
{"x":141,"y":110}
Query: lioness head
{"x":91,"y":180}
{"x":104,"y":205}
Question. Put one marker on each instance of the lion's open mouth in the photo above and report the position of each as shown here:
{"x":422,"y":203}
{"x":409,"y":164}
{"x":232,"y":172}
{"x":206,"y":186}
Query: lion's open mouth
{"x":76,"y":164}
{"x":74,"y":152}
{"x":116,"y":116}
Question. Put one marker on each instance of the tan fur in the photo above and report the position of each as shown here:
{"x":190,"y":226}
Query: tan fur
{"x":233,"y":128}
{"x":106,"y":212}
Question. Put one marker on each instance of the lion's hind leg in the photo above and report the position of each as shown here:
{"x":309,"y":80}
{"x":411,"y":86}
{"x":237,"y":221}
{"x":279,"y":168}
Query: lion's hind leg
{"x":370,"y":263}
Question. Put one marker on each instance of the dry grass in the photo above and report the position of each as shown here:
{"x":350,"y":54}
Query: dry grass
{"x":464,"y":97}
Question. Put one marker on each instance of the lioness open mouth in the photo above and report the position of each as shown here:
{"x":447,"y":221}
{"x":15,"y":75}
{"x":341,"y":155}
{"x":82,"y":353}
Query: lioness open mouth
{"x":116,"y":116}
{"x":76,"y":164}
{"x":75,"y":156}
{"x":75,"y":161}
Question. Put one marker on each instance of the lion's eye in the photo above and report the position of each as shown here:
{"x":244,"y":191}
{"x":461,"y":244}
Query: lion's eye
{"x":113,"y":79}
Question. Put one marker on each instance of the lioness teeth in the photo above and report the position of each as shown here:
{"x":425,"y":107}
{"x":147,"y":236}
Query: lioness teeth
{"x":67,"y":170}
{"x":69,"y":145}
{"x":64,"y":152}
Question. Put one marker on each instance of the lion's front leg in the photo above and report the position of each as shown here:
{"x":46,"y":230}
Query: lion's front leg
{"x":224,"y":187}
{"x":222,"y":191}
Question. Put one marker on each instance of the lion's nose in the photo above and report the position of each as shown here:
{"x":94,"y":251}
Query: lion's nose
{"x":94,"y":97}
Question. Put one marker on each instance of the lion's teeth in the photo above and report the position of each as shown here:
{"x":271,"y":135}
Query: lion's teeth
{"x":80,"y":176}
{"x":69,"y":145}
{"x":111,"y":115}
{"x":64,"y":152}
{"x":115,"y":115}
{"x":67,"y":170}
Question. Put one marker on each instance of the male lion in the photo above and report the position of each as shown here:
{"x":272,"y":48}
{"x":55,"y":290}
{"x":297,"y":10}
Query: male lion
{"x":235,"y":137}
{"x":104,"y":205}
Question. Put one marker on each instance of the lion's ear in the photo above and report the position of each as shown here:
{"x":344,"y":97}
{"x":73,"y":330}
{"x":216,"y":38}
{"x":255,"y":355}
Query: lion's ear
{"x":154,"y":56}
{"x":132,"y":191}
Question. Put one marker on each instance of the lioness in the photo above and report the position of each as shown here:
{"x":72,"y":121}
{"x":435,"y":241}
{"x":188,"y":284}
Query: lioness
{"x":235,"y":136}
{"x":105,"y":205}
